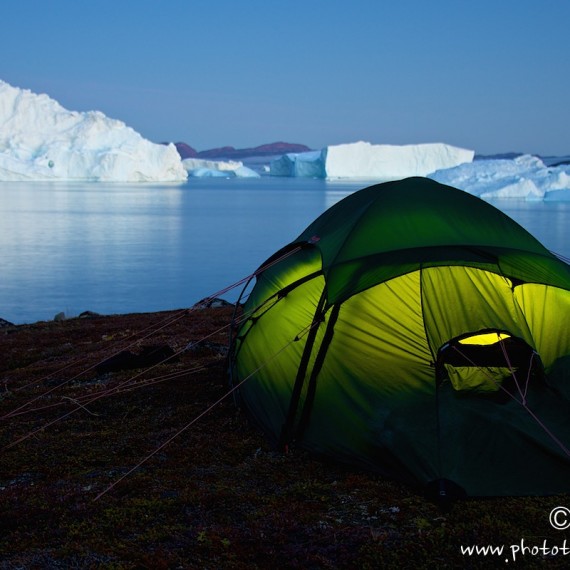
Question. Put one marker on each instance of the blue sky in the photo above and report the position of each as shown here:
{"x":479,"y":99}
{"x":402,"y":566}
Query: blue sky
{"x":492,"y":75}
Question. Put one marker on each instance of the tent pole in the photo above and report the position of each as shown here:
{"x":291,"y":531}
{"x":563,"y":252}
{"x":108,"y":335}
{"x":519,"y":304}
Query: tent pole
{"x":287,"y":429}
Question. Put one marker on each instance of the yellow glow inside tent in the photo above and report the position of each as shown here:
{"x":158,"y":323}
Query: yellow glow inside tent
{"x":484,"y":338}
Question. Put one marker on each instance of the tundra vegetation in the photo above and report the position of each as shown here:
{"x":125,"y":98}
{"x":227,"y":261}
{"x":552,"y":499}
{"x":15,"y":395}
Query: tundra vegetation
{"x":217,"y":496}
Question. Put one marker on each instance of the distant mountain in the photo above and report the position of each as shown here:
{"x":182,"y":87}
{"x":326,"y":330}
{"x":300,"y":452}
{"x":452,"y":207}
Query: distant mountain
{"x":229,"y":152}
{"x":185,"y":150}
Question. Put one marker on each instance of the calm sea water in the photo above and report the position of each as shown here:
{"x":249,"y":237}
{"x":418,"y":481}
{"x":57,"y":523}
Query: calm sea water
{"x":119,"y":248}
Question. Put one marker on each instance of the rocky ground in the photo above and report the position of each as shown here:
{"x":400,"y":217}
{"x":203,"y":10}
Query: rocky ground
{"x":75,"y":424}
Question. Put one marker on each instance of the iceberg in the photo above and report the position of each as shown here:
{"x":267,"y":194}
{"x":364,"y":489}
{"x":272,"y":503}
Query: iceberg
{"x":200,"y":168}
{"x":365,"y":160}
{"x":524,"y":177}
{"x":41,"y":140}
{"x":309,"y":164}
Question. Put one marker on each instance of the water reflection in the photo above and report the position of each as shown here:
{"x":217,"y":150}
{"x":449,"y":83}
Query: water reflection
{"x":74,"y":247}
{"x":115,"y":248}
{"x":549,"y":222}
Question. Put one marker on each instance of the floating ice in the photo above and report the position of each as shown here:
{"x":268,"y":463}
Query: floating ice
{"x":200,"y":168}
{"x":40,"y":140}
{"x":304,"y":165}
{"x":364,"y":160}
{"x":525,"y":177}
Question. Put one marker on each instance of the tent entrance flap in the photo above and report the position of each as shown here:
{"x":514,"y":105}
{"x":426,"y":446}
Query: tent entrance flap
{"x":484,"y":361}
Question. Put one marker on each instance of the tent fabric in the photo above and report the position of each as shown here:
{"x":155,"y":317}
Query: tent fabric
{"x":370,"y":302}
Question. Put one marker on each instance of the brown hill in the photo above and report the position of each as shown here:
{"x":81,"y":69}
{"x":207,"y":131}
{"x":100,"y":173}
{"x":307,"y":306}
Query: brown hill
{"x":230,"y":152}
{"x":270,"y":149}
{"x":185,"y":150}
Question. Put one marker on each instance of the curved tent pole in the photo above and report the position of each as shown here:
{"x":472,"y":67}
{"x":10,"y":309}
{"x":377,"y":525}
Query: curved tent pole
{"x":236,"y":322}
{"x":318,"y":318}
{"x":282,"y":254}
{"x":231,"y":336}
{"x":312,"y":387}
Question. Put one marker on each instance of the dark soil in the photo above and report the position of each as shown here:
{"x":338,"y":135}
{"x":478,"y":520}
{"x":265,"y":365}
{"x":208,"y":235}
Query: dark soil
{"x":216,"y":496}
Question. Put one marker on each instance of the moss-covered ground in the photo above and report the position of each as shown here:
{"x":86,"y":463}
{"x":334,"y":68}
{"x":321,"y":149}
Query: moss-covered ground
{"x":217,"y":496}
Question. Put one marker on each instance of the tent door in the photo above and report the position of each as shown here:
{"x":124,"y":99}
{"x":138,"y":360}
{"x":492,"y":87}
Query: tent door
{"x":486,"y":362}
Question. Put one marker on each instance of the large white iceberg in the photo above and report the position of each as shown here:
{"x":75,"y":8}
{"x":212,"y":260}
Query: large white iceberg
{"x":525,"y":177}
{"x":41,"y":140}
{"x":365,"y":160}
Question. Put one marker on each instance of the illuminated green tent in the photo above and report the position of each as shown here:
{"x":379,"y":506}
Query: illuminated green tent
{"x":416,"y":330}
